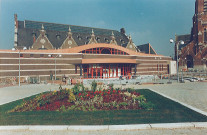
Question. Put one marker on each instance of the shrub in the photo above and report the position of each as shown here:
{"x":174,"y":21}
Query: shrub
{"x":76,"y":89}
{"x":94,"y":86}
{"x":71,"y":96}
{"x":62,"y":108}
{"x":111,"y":86}
{"x":147,"y":105}
{"x":140,"y":98}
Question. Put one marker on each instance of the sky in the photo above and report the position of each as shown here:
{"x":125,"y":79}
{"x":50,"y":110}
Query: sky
{"x":148,"y":21}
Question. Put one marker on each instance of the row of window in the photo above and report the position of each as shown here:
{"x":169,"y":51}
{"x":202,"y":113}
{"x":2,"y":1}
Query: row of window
{"x":80,"y":38}
{"x":32,"y":55}
{"x":159,"y":67}
{"x":205,"y":6}
{"x":104,"y":51}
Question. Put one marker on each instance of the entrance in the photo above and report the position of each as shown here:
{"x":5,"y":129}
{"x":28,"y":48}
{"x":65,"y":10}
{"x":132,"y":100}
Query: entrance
{"x":189,"y":61}
{"x":106,"y":70}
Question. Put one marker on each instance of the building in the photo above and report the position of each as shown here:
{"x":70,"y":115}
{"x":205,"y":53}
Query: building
{"x":193,"y":53}
{"x":57,"y":50}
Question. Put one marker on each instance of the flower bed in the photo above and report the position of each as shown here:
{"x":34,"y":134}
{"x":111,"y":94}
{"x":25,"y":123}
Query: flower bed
{"x":72,"y":99}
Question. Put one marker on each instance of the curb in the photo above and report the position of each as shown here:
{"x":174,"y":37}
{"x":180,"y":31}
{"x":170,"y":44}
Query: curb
{"x":88,"y":128}
{"x":106,"y":127}
{"x":130,"y":127}
{"x":172,"y":125}
{"x":14,"y":128}
{"x":48,"y":127}
{"x":200,"y":124}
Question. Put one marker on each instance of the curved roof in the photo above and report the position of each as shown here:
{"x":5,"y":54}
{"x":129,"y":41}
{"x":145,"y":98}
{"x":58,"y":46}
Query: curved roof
{"x":88,"y":46}
{"x":98,"y":45}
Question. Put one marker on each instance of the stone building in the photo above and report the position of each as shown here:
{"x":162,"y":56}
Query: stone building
{"x":193,"y":53}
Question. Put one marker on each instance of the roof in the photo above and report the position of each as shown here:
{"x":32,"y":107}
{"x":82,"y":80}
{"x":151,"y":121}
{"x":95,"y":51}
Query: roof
{"x":81,"y":35}
{"x":186,"y":38}
{"x":146,"y":48}
{"x":85,"y":47}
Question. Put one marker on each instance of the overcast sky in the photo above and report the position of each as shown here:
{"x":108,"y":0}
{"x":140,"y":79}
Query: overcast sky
{"x":148,"y":21}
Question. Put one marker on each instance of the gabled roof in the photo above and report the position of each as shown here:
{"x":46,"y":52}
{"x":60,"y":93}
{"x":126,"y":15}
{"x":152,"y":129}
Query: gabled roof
{"x":81,"y":35}
{"x":186,"y":38}
{"x":146,"y":48}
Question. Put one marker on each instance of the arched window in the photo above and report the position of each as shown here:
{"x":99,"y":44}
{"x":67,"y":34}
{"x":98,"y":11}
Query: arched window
{"x":205,"y":35}
{"x":104,"y":50}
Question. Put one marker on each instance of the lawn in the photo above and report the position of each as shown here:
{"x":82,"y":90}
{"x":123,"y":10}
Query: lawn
{"x":164,"y":111}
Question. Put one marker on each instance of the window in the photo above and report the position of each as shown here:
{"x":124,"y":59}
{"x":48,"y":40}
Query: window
{"x":76,"y":69}
{"x":58,"y":36}
{"x":41,"y":55}
{"x":205,"y":6}
{"x":103,"y":50}
{"x":31,"y":55}
{"x":205,"y":36}
{"x":21,"y":55}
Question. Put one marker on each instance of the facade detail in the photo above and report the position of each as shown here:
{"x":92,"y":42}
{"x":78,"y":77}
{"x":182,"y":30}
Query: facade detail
{"x":69,"y":41}
{"x":93,"y":39}
{"x":42,"y":42}
{"x":131,"y":45}
{"x":15,"y":30}
{"x":113,"y":41}
{"x":193,"y":54}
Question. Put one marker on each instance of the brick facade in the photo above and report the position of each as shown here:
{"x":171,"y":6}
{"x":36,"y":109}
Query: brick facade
{"x":194,"y":53}
{"x":37,"y":63}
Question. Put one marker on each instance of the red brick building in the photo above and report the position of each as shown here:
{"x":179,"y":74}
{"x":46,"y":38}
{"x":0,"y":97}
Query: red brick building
{"x":193,"y":54}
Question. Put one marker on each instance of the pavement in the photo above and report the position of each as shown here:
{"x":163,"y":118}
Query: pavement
{"x":192,"y":94}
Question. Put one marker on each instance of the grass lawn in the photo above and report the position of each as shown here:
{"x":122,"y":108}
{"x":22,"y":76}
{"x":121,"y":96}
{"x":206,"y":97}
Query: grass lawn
{"x":166,"y":111}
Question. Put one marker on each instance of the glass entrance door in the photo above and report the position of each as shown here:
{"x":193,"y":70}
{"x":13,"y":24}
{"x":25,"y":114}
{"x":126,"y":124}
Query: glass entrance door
{"x":106,"y":70}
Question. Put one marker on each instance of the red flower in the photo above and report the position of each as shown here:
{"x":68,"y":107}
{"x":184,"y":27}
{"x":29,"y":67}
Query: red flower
{"x":119,"y":91}
{"x":79,"y":94}
{"x":114,"y":91}
{"x":38,"y":108}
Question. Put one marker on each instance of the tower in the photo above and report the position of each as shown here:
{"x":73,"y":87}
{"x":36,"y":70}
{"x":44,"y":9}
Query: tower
{"x":193,"y":54}
{"x":15,"y":30}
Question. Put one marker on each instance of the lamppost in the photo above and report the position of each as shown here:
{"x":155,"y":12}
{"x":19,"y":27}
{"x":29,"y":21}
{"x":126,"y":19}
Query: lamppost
{"x":59,"y":55}
{"x":13,"y":49}
{"x":158,"y":66}
{"x":181,"y":42}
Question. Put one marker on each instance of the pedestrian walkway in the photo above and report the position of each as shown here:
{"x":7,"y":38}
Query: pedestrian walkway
{"x":191,"y":93}
{"x":12,"y":93}
{"x":187,"y":131}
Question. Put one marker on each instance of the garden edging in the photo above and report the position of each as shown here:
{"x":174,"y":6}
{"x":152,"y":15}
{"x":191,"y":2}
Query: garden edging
{"x":106,"y":127}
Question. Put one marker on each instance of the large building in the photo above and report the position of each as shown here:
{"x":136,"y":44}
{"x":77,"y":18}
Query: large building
{"x":77,"y":52}
{"x":193,"y":54}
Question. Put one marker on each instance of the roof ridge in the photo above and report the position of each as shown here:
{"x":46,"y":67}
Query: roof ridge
{"x":72,"y":25}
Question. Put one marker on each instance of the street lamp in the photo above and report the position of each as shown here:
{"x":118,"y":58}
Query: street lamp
{"x":181,"y":42}
{"x":13,"y":49}
{"x":59,"y":55}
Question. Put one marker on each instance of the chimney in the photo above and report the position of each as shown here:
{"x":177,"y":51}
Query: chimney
{"x":122,"y":30}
